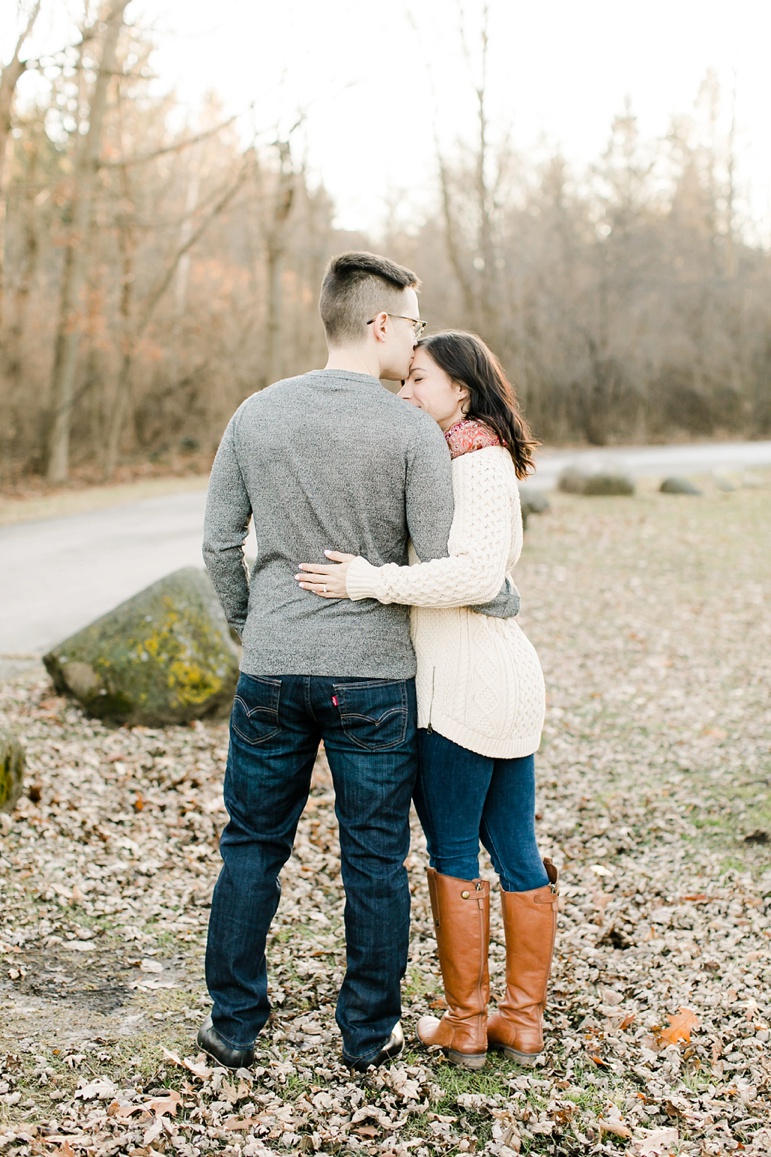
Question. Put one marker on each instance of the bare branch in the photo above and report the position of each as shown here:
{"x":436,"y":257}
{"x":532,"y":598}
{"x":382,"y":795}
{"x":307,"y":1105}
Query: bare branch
{"x":177,"y":147}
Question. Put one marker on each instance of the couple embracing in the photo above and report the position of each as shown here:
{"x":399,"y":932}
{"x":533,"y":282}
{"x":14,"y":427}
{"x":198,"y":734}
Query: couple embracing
{"x":348,"y":484}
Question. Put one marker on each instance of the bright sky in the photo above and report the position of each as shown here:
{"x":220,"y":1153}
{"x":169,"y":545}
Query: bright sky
{"x":375,"y":78}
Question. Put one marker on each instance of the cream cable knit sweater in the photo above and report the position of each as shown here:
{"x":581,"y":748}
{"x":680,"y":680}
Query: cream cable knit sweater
{"x":479,"y":682}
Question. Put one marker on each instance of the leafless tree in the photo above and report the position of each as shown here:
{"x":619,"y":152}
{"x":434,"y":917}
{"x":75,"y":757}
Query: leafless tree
{"x":78,"y":244}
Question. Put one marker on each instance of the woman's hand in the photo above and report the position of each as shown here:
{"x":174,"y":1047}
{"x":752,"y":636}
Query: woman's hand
{"x":326,"y":581}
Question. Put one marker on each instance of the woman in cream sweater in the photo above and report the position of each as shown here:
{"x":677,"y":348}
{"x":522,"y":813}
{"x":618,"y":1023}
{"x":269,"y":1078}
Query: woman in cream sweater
{"x":480,"y":707}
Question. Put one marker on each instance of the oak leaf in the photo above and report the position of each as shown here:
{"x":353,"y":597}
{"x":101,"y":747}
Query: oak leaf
{"x":655,"y":1142}
{"x":680,"y":1027}
{"x":615,"y":1126}
{"x":161,"y":1105}
{"x":199,"y":1069}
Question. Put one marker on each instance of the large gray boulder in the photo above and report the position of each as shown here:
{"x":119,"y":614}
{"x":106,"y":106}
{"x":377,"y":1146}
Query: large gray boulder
{"x":11,"y":770}
{"x":164,"y":656}
{"x":595,"y":478}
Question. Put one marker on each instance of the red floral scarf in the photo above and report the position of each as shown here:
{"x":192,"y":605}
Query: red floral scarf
{"x":468,"y":435}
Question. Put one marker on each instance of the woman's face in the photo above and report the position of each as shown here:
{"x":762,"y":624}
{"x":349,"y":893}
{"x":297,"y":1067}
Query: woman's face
{"x":429,"y":388}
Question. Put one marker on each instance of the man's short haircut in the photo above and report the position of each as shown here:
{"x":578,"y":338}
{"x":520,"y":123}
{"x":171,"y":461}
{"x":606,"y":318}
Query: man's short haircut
{"x":356,"y":287}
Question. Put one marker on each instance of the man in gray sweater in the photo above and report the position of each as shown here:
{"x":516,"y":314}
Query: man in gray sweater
{"x":327,"y":459}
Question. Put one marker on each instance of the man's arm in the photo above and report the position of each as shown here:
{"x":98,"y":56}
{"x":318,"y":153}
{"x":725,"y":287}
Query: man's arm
{"x":505,"y":605}
{"x":428,"y":497}
{"x":479,"y":546}
{"x":226,"y":526}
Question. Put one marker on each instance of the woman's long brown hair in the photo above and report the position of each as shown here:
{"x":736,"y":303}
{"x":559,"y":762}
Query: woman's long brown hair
{"x":466,"y":359}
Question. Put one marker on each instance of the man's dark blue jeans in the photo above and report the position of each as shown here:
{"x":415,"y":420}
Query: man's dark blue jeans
{"x":369,"y":731}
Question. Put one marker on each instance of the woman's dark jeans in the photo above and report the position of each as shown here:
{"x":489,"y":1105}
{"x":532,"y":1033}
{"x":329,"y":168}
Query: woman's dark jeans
{"x":462,"y":797}
{"x":368,"y":729}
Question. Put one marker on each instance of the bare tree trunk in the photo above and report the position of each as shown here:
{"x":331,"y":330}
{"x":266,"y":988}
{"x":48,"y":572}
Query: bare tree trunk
{"x":488,"y":305}
{"x":117,"y":413}
{"x":186,"y":232}
{"x":477,"y":272}
{"x":77,"y":252}
{"x":9,"y":78}
{"x":451,"y":230}
{"x":133,"y":331}
{"x":276,"y":247}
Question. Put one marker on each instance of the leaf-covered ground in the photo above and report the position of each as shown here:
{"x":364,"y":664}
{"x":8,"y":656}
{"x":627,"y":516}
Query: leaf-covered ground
{"x":652,"y":619}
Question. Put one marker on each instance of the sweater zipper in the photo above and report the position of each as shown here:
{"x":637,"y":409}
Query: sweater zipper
{"x":430,"y":729}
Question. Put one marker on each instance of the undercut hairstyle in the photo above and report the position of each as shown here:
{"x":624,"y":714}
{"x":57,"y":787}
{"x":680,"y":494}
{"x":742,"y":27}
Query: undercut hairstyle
{"x":466,"y":359}
{"x":356,"y":288}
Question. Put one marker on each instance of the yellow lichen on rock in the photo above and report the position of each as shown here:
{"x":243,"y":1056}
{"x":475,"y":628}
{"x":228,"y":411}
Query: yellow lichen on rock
{"x":165,"y":656}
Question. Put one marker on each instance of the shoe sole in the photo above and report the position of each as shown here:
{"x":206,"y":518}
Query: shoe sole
{"x":213,"y":1056}
{"x":466,"y":1060}
{"x":515,"y":1055}
{"x":378,"y":1062}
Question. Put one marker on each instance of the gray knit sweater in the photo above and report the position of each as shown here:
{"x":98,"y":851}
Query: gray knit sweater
{"x":327,"y":460}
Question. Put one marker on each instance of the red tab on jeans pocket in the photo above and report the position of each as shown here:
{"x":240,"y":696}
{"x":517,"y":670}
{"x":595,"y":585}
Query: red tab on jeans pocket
{"x":334,"y":700}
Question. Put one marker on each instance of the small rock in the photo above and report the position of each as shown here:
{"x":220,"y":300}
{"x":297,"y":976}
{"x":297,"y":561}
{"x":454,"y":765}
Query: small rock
{"x":595,"y":479}
{"x":11,"y":770}
{"x":723,"y":482}
{"x":533,"y":501}
{"x":675,"y":485}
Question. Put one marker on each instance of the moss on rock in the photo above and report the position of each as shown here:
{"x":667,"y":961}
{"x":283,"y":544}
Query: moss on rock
{"x":164,"y":656}
{"x":11,"y":770}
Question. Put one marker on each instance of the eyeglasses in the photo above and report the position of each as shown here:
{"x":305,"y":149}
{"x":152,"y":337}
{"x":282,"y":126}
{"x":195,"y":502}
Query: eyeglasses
{"x":418,"y":325}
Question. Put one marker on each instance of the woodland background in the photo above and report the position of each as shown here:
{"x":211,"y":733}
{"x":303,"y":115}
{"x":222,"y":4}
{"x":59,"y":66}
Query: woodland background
{"x":156,"y":267}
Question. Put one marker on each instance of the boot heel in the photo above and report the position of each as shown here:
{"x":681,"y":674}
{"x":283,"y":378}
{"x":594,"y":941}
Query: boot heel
{"x":526,"y":1059}
{"x":467,"y":1060}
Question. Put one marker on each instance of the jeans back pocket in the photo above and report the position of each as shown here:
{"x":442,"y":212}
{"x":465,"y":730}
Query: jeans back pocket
{"x":254,"y":717}
{"x":373,"y":712}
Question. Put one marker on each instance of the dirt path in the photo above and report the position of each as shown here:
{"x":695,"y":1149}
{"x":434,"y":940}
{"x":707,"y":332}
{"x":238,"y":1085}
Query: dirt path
{"x":653,"y":624}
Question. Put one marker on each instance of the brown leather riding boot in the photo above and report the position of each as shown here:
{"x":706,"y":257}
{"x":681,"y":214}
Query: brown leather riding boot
{"x":461,"y":911}
{"x":530,"y":925}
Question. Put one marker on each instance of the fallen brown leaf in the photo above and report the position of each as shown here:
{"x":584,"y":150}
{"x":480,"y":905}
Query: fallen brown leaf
{"x":617,"y":1128}
{"x":680,"y":1027}
{"x":199,"y":1068}
{"x":240,"y":1124}
{"x":161,"y":1105}
{"x":655,"y":1142}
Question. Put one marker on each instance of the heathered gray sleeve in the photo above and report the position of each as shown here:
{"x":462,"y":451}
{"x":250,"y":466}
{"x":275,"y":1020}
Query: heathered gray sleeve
{"x":226,"y":525}
{"x":428,"y":493}
{"x":505,"y":605}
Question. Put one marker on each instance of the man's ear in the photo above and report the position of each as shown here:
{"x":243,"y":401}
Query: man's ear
{"x":380,"y":325}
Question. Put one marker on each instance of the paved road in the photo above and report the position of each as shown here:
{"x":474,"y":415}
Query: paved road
{"x":649,"y":461}
{"x":58,"y":575}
